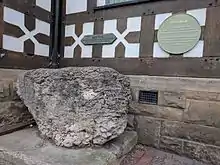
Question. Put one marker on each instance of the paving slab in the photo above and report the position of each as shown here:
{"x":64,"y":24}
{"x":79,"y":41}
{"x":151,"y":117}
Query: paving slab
{"x":142,"y":155}
{"x":26,"y":147}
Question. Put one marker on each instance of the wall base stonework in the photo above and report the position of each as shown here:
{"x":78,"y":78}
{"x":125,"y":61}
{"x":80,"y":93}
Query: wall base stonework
{"x":13,"y":113}
{"x":185,"y":120}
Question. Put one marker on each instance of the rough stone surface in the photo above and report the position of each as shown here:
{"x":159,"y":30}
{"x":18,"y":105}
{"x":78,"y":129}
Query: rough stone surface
{"x":203,"y":112}
{"x":148,"y":130}
{"x":77,"y":106}
{"x":4,"y":91}
{"x":162,"y":83}
{"x":171,"y":144}
{"x":142,"y":155}
{"x":172,"y":99}
{"x":13,"y":112}
{"x":201,"y":95}
{"x":25,"y":147}
{"x":131,"y":122}
{"x":10,"y":74}
{"x":205,"y":153}
{"x":193,"y":132}
{"x":124,"y":144}
{"x":156,"y":111}
{"x":188,"y":109}
{"x":135,"y":93}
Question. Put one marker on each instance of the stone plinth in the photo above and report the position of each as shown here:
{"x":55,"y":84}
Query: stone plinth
{"x":25,"y":147}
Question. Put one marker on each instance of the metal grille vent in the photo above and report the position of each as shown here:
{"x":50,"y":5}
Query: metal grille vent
{"x":148,"y":97}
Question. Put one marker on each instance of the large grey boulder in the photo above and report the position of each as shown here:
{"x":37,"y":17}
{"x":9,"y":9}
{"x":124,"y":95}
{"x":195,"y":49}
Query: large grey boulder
{"x":77,"y":106}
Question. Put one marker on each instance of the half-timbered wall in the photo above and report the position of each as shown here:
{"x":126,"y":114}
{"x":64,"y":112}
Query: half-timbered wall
{"x":136,"y":49}
{"x":25,"y":33}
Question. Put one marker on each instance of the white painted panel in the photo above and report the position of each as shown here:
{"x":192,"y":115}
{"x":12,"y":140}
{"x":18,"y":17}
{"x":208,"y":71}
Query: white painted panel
{"x":100,"y":2}
{"x":87,"y":52}
{"x":42,"y":27}
{"x":69,"y":30}
{"x":134,"y":24}
{"x":199,"y":14}
{"x":45,"y":4}
{"x":68,"y":52}
{"x":12,"y":43}
{"x":110,"y":26}
{"x":41,"y":49}
{"x":132,"y":51}
{"x":158,"y":52}
{"x":25,"y":37}
{"x":108,"y":2}
{"x":76,"y":6}
{"x":108,"y":51}
{"x":17,"y":44}
{"x":197,"y":51}
{"x":160,"y":18}
{"x":88,"y":28}
{"x":121,"y":37}
{"x":13,"y":17}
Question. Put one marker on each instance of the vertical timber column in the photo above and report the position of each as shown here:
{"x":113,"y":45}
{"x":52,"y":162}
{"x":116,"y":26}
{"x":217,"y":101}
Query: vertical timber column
{"x":147,"y":29}
{"x":56,"y":33}
{"x":97,"y":49}
{"x":91,"y":4}
{"x":1,"y":28}
{"x":212,"y":32}
{"x":62,"y":24}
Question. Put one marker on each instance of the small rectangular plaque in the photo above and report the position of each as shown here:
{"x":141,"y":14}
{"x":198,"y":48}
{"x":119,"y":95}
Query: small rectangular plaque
{"x":100,"y":39}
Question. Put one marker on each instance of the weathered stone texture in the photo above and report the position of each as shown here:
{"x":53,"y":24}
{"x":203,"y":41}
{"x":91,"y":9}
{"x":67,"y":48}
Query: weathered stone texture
{"x":77,"y":106}
{"x":202,"y":152}
{"x":172,"y":99}
{"x":135,"y":93}
{"x":131,"y":122}
{"x":4,"y":91}
{"x":13,"y":112}
{"x":25,"y":147}
{"x":123,"y":144}
{"x":161,"y":83}
{"x":189,"y":110}
{"x":202,"y":95}
{"x":6,"y":159}
{"x":10,"y":74}
{"x":171,"y":144}
{"x":203,"y":112}
{"x":148,"y":130}
{"x":193,"y":132}
{"x":156,"y":111}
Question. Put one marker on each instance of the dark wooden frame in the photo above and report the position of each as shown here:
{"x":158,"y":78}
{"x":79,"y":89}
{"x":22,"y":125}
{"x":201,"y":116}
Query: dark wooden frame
{"x":122,"y":4}
{"x":143,"y":9}
{"x":208,"y":66}
{"x":18,"y":60}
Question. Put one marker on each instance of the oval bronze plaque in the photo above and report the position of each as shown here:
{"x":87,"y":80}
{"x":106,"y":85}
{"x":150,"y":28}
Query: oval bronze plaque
{"x":179,"y":34}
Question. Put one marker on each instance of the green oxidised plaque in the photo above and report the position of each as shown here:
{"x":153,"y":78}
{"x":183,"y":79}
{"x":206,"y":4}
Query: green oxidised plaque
{"x":179,"y":34}
{"x":100,"y":39}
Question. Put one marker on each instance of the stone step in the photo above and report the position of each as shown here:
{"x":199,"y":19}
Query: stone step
{"x":25,"y":147}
